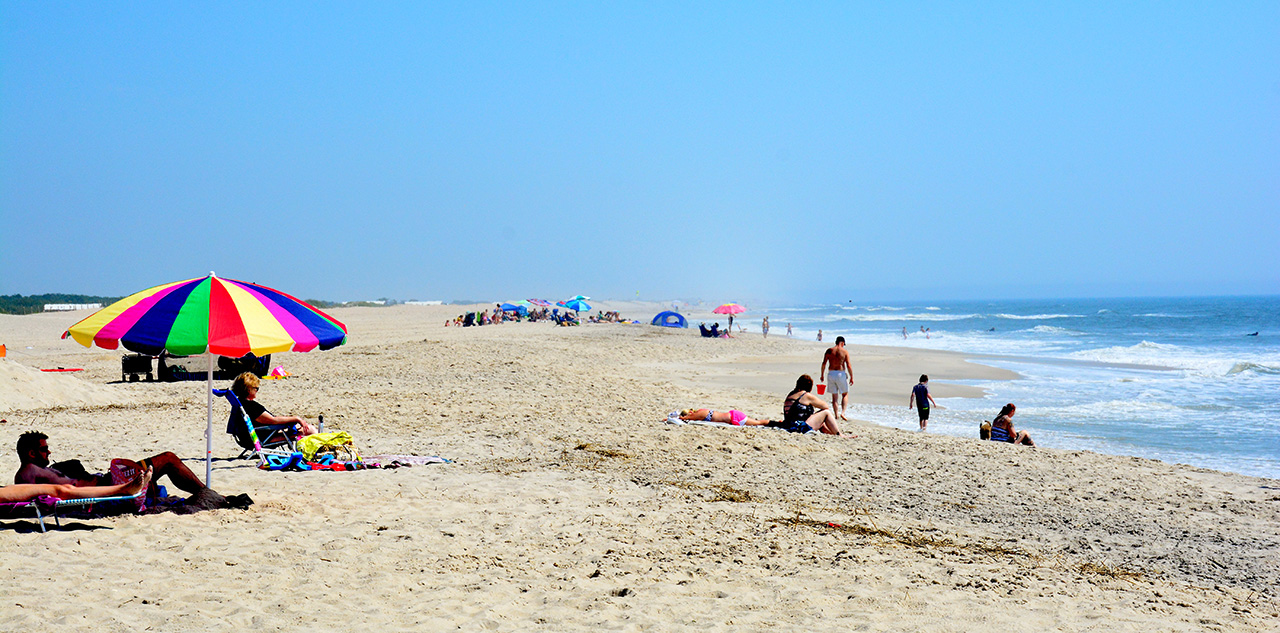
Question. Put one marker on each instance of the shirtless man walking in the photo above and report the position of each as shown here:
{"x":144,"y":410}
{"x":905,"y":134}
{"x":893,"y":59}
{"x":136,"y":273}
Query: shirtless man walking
{"x":838,"y":373}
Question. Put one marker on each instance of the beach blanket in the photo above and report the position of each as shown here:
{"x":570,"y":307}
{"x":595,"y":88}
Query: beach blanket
{"x":397,"y":461}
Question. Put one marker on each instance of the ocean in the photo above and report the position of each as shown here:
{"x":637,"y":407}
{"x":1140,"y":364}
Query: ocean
{"x":1182,"y":380}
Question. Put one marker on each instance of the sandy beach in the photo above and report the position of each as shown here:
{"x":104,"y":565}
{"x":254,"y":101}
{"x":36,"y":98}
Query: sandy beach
{"x":570,"y":505}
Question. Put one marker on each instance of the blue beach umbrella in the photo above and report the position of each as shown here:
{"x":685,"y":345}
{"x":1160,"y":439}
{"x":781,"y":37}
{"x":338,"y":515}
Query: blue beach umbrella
{"x":577,"y":305}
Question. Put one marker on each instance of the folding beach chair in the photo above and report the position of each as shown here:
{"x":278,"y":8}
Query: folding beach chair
{"x":45,"y":505}
{"x":276,"y":439}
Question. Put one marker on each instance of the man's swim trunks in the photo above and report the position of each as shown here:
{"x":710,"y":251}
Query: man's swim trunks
{"x":837,"y":382}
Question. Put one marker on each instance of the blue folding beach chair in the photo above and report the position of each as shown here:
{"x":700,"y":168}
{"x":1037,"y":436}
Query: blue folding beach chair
{"x":276,"y":441}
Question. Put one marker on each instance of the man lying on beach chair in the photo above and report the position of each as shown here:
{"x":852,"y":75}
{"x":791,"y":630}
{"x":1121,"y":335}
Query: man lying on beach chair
{"x":53,"y":499}
{"x":35,"y":468}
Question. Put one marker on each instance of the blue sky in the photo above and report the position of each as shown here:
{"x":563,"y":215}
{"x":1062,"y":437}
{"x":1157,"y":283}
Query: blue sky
{"x":767,"y":152}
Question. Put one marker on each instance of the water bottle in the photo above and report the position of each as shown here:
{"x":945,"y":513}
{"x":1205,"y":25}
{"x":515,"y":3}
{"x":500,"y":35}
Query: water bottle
{"x":322,"y":423}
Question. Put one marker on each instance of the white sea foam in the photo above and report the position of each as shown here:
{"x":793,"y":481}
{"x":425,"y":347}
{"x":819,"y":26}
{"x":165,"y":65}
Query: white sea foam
{"x":1038,"y":317}
{"x":1053,"y":329}
{"x":904,"y":317}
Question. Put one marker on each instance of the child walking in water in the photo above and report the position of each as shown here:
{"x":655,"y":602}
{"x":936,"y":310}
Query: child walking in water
{"x":921,"y":399}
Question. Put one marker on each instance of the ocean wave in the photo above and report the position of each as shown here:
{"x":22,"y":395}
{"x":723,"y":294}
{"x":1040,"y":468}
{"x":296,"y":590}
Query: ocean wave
{"x":905,"y":317}
{"x":1240,"y":368}
{"x":874,"y":308}
{"x":933,"y":308}
{"x":1144,"y":353}
{"x":1053,"y":329}
{"x":1037,"y":317}
{"x":1162,"y":315}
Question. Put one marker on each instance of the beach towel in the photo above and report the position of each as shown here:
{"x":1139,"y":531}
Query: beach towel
{"x":340,"y":444}
{"x":397,"y":461}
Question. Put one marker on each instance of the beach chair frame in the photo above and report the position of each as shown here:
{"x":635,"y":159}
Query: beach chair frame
{"x":45,"y":505}
{"x":277,"y":433}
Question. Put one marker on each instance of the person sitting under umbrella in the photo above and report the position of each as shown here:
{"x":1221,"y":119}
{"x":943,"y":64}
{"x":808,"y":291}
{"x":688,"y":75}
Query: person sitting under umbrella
{"x":246,"y":389}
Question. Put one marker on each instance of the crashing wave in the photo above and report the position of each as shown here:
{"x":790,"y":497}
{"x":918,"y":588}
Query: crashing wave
{"x":1240,"y":368}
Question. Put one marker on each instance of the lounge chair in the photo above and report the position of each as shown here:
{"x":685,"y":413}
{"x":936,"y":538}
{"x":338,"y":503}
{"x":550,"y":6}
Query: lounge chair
{"x":705,"y":332}
{"x":45,"y":505}
{"x":257,"y":440}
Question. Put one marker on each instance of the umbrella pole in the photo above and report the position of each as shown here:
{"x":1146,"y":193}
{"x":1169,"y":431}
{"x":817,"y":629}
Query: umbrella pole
{"x":208,"y":431}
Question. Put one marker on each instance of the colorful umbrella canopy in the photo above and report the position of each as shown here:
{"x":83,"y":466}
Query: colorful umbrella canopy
{"x":210,"y":316}
{"x":577,"y":305}
{"x":213,"y":315}
{"x":540,"y":302}
{"x":729,"y":308}
{"x":581,"y":298}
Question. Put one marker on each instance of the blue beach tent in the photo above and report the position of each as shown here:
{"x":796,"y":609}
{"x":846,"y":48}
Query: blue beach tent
{"x":670,"y":319}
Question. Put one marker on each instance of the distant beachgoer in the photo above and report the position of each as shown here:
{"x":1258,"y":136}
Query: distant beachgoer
{"x":732,"y":416}
{"x":788,"y":329}
{"x":819,"y":336}
{"x":803,"y":412}
{"x":765,"y":326}
{"x":1002,"y":428}
{"x":922,"y":400}
{"x":904,"y":331}
{"x":246,"y":389}
{"x":836,"y":359}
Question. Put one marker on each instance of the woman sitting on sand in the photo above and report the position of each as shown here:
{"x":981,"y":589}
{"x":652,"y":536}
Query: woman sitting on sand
{"x":732,"y":416}
{"x":26,"y":492}
{"x":1002,"y":428}
{"x":803,"y":412}
{"x":246,"y":389}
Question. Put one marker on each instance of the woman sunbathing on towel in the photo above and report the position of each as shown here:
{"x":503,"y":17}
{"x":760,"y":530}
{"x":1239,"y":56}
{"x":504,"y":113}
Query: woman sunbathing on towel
{"x":732,"y":416}
{"x":26,"y":492}
{"x":803,"y":412}
{"x":246,"y":389}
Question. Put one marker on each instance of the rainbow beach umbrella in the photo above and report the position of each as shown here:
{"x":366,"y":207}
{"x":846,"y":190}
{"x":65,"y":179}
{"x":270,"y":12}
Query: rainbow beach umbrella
{"x":211,"y":316}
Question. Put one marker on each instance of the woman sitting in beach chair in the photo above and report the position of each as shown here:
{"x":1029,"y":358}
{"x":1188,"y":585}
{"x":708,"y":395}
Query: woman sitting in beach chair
{"x":245,"y":388}
{"x":1002,"y":428}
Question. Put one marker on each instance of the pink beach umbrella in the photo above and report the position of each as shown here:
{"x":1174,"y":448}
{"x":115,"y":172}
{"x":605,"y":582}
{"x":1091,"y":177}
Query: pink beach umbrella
{"x":729,"y":308}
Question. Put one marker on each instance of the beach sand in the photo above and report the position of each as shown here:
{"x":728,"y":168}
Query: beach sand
{"x":570,"y":505}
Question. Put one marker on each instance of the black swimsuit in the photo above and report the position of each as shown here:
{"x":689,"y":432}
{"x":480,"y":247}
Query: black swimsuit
{"x":795,"y":415}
